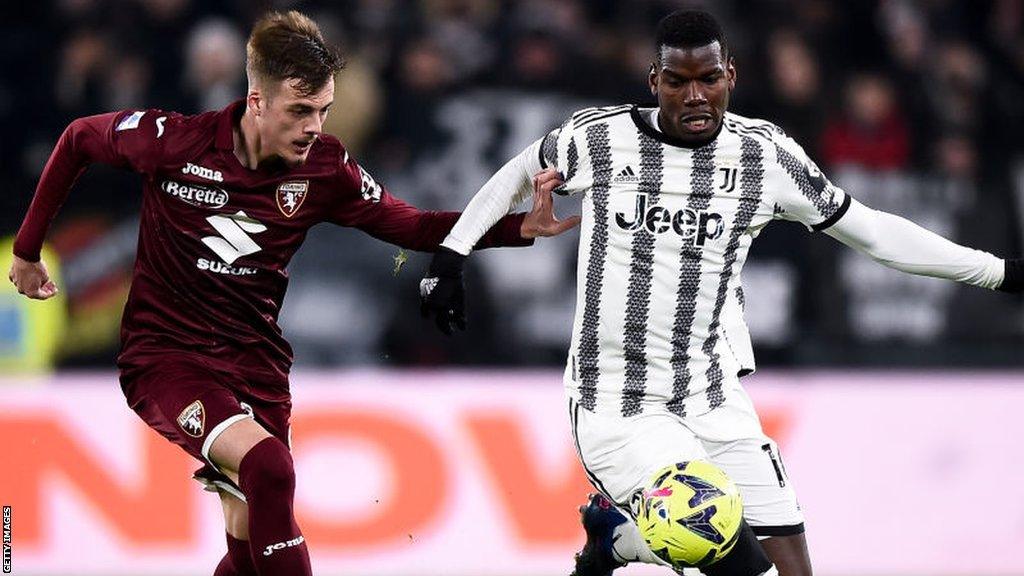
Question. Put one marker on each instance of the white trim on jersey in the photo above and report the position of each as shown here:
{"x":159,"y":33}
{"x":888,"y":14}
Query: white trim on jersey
{"x":215,"y":433}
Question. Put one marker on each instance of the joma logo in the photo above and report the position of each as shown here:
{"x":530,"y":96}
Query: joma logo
{"x":202,"y":172}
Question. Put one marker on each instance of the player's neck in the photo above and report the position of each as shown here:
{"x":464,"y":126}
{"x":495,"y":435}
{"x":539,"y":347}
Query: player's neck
{"x":247,"y":141}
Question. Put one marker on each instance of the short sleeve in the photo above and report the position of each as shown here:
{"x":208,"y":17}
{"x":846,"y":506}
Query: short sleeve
{"x":801,"y":191}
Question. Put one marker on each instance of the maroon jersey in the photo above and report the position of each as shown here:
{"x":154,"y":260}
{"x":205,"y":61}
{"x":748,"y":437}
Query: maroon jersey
{"x":215,"y":237}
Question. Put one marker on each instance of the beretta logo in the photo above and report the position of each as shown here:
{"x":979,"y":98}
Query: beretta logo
{"x":290,"y":196}
{"x":193,"y":419}
{"x":196,"y":194}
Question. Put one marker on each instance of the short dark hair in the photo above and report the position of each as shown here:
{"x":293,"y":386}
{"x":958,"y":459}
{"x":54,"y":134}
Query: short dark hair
{"x":690,"y":29}
{"x":289,"y":45}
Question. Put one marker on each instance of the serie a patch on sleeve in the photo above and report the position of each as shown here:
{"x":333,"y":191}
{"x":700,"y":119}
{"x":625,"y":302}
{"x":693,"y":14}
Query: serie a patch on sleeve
{"x":131,"y":121}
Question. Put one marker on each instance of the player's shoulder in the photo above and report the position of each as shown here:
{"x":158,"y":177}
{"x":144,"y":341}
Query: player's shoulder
{"x":330,"y":156}
{"x":595,"y":114}
{"x":178,"y":136}
{"x":327,"y":156}
{"x":759,"y":128}
{"x":150,"y":123}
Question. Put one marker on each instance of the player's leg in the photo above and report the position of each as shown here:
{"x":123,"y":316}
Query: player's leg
{"x":607,"y":450}
{"x":198,"y":410}
{"x":261,"y":466}
{"x":789,"y":553}
{"x":735,"y":442}
{"x":620,"y":456}
{"x":238,"y":560}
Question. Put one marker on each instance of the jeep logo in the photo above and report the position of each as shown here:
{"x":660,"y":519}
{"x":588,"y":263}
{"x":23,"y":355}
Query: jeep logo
{"x":696,"y":226}
{"x":196,"y":194}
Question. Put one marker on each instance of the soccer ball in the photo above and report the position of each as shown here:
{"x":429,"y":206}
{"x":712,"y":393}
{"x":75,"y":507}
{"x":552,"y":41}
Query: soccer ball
{"x":690,"y":514}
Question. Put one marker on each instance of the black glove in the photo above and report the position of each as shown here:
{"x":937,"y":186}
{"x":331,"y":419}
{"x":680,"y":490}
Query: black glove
{"x":442,"y":292}
{"x":1013,"y":277}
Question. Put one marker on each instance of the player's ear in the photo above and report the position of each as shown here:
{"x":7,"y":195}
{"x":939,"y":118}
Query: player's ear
{"x":652,"y":79}
{"x":730,"y":73}
{"x":254,"y":101}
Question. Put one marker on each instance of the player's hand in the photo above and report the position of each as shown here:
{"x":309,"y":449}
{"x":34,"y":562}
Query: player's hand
{"x":1013,"y":275}
{"x":442,"y":293}
{"x":541,"y":220}
{"x":32,"y":279}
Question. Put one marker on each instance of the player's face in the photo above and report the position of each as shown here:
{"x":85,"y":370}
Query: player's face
{"x":290,"y":121}
{"x":693,"y":87}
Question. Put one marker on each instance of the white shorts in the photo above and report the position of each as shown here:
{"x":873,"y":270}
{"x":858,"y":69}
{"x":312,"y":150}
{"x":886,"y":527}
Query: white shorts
{"x":620,"y":456}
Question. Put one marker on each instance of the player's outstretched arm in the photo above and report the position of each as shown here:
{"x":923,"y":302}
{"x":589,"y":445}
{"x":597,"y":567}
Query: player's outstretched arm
{"x":442,"y":292}
{"x":85,"y":141}
{"x":900,"y":244}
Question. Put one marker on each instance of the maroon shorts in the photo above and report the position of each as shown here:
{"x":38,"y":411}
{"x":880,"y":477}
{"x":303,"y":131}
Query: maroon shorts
{"x":190,"y":403}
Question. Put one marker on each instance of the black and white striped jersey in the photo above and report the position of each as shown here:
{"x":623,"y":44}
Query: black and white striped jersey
{"x":666,"y":230}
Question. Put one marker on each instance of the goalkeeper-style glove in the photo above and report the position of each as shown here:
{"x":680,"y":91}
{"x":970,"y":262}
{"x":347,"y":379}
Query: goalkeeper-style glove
{"x":442,"y":292}
{"x":1013,"y":277}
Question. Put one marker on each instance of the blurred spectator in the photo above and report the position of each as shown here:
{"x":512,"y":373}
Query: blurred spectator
{"x":215,"y":64}
{"x":796,"y":101}
{"x":460,"y":29}
{"x":422,"y":78}
{"x":960,"y":79}
{"x":80,"y":72}
{"x":870,"y":132}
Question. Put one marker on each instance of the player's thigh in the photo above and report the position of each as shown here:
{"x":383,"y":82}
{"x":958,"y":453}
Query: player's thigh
{"x":621,"y":455}
{"x":185,"y":402}
{"x":789,"y":554}
{"x":236,"y":515}
{"x":732,"y":436}
{"x":770,"y":504}
{"x":233,"y":443}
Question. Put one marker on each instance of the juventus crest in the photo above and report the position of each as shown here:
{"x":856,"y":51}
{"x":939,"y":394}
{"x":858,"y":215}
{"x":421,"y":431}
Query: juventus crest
{"x":727,"y":177}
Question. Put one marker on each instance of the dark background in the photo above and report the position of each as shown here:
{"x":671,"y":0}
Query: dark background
{"x":914,"y":107}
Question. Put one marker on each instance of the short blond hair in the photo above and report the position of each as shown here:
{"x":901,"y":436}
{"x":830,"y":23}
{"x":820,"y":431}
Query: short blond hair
{"x":289,"y":45}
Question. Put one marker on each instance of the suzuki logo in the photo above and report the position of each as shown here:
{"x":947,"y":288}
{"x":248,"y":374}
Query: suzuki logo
{"x":234,"y":241}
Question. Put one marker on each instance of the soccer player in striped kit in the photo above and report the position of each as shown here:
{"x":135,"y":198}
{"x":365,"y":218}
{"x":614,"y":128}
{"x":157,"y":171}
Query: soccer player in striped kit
{"x":673,"y":197}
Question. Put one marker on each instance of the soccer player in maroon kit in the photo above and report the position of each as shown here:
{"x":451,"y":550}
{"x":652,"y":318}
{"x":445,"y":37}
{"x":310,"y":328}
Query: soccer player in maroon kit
{"x":228,"y":199}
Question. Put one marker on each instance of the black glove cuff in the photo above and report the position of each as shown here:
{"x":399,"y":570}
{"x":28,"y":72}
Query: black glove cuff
{"x":1013,"y":276}
{"x":446,"y":263}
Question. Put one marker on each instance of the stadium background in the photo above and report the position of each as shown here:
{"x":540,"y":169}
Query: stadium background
{"x":894,"y":395}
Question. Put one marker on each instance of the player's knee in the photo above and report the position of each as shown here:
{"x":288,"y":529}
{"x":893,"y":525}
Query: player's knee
{"x":747,"y":557}
{"x":267,"y":469}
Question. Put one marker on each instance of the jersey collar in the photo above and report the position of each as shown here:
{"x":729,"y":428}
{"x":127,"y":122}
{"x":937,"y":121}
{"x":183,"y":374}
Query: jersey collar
{"x":660,"y":136}
{"x":229,"y":118}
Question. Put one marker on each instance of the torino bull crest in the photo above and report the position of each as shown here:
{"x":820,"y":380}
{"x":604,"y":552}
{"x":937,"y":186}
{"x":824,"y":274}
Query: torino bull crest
{"x":290,"y":196}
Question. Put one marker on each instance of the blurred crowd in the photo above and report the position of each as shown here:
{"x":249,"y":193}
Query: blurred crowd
{"x":913,"y":106}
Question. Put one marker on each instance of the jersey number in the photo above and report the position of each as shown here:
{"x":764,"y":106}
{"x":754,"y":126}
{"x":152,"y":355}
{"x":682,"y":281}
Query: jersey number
{"x":234,"y":240}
